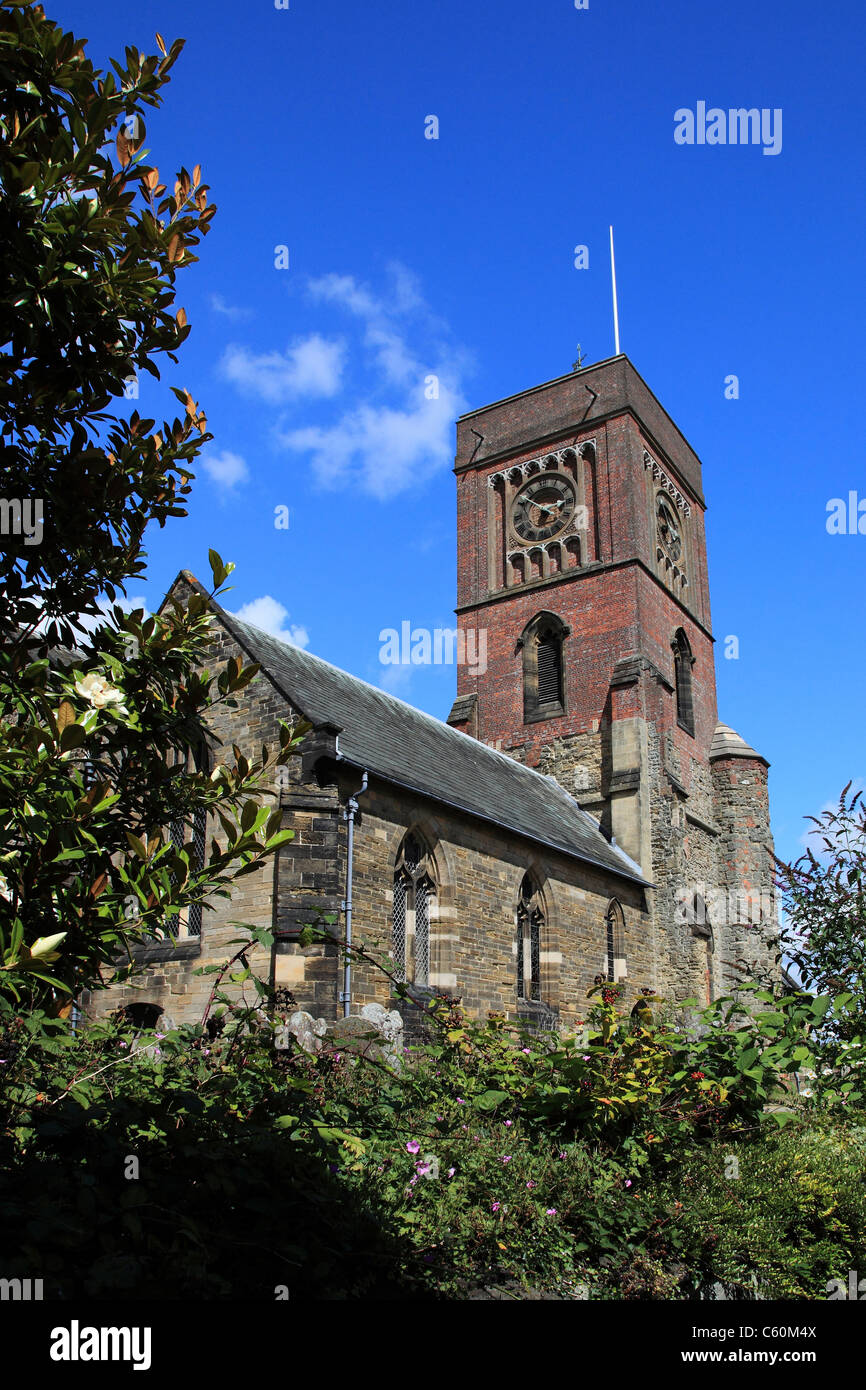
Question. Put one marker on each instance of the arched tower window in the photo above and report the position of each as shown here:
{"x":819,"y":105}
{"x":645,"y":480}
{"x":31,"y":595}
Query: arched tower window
{"x":189,"y":833}
{"x":683,"y":663}
{"x":414,"y":907}
{"x":614,"y":942}
{"x":542,"y":643}
{"x":530,"y":923}
{"x":702,"y":928}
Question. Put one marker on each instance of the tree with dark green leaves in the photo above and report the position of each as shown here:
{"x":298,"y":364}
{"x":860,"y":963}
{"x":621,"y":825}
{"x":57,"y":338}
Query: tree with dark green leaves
{"x":102,"y":713}
{"x":824,"y":901}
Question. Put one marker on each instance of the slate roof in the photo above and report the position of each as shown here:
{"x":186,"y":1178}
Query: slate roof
{"x":411,"y":749}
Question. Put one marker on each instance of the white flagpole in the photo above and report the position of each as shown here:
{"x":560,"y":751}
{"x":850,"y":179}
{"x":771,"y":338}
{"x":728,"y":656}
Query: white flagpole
{"x":613,"y":282}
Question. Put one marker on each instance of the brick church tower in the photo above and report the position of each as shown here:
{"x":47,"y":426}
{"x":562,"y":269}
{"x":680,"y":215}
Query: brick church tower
{"x":582,"y":556}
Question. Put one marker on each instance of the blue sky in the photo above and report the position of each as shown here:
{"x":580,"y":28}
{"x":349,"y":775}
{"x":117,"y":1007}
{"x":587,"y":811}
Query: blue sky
{"x":409,"y":256}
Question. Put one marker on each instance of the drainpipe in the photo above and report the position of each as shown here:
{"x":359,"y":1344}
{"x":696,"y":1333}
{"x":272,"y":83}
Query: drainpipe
{"x":349,"y":817}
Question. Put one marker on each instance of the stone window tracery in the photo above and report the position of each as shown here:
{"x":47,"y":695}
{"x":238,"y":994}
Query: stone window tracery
{"x":614,"y":943}
{"x":413,"y":910}
{"x":530,"y":923}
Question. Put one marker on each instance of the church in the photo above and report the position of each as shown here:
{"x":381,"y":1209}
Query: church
{"x":581,"y":814}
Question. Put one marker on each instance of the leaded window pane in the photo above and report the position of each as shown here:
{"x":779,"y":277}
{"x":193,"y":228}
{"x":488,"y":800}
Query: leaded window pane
{"x":535,"y":955}
{"x":399,"y":927}
{"x":422,"y":933}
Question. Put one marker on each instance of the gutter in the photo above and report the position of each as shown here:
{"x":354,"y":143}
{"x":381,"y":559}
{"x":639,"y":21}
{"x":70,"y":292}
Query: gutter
{"x":349,"y":816}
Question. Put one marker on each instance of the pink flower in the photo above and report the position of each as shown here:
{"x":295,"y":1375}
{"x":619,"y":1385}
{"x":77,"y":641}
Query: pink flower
{"x":628,"y":1182}
{"x":494,"y":1206}
{"x":551,"y":1211}
{"x":505,"y":1158}
{"x":460,"y":1102}
{"x":587,"y":1056}
{"x":451,"y":1172}
{"x":531,"y":1184}
{"x":563,"y":1154}
{"x":524,"y":1049}
{"x":413,"y":1146}
{"x":508,"y":1124}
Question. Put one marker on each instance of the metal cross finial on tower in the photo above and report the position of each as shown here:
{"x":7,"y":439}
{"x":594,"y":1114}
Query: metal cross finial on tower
{"x":576,"y":366}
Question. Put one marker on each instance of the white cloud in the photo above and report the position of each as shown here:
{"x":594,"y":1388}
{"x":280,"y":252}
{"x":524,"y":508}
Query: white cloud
{"x":270,"y":615}
{"x":225,"y":469}
{"x":388,"y":449}
{"x":389,"y":346}
{"x":310,"y":366}
{"x":391,"y":436}
{"x":392,"y":445}
{"x":230,"y":311}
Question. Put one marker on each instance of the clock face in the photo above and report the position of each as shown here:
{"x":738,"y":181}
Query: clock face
{"x":543,"y":507}
{"x":668,"y":529}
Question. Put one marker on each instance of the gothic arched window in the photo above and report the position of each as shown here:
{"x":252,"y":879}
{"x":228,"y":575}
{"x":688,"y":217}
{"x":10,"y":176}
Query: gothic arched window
{"x":530,"y":922}
{"x":683,"y":663}
{"x":414,"y":906}
{"x":614,"y":942}
{"x":542,"y":643}
{"x":702,"y":928}
{"x":189,"y":833}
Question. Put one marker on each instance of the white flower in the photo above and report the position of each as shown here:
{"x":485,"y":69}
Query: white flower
{"x":46,"y":947}
{"x":98,"y":692}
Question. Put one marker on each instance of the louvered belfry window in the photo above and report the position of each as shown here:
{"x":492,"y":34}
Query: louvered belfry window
{"x":414,"y":907}
{"x":544,"y":676}
{"x":549,"y":670}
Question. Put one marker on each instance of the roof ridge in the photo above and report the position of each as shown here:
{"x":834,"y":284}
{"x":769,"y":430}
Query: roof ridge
{"x":404,"y":745}
{"x":441,"y":724}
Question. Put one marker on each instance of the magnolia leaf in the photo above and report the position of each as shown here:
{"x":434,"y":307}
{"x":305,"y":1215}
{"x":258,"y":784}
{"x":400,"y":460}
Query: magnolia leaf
{"x":98,"y":885}
{"x":65,"y":715}
{"x":137,"y":845}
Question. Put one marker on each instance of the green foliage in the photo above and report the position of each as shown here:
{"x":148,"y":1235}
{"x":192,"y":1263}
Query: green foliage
{"x":793,"y":1217}
{"x":92,"y":249}
{"x":99,"y":744}
{"x":824,"y":897}
{"x":483,"y":1158}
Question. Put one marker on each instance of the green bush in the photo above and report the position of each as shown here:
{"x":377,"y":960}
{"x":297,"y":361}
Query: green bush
{"x":596,"y":1166}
